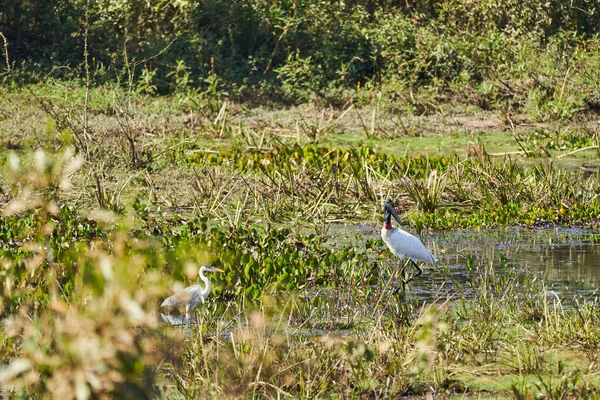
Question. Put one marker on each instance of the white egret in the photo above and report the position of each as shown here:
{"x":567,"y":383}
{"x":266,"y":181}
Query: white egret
{"x":402,"y":243}
{"x":193,"y":295}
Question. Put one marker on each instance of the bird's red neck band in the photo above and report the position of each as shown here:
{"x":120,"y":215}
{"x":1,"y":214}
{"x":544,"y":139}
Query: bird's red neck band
{"x":387,"y":225}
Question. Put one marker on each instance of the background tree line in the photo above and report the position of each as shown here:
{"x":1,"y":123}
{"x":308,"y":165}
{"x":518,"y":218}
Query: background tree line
{"x":292,"y":50}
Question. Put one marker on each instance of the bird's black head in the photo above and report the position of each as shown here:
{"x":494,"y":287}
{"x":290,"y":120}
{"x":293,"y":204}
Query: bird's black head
{"x":389,"y":211}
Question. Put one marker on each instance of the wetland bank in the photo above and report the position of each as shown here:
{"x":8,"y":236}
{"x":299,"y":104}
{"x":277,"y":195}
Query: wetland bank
{"x":141,"y":140}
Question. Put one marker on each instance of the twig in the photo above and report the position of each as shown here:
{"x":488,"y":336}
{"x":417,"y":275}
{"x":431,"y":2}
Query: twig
{"x":86,"y":54}
{"x":385,"y":288}
{"x":577,"y":151}
{"x":6,"y":52}
{"x":287,"y":27}
{"x":507,"y":153}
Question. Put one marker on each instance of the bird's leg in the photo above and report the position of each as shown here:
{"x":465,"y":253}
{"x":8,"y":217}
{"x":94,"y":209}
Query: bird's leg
{"x":397,"y":290}
{"x":419,"y":272}
{"x":418,"y":269}
{"x":402,"y":276}
{"x":403,"y":272}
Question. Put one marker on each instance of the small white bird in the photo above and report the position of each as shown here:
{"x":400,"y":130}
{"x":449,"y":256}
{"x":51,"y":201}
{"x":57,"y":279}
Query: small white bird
{"x":193,"y":295}
{"x":402,"y":243}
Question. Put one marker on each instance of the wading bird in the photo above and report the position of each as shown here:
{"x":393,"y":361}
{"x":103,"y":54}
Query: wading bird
{"x":402,"y":243}
{"x":193,"y":295}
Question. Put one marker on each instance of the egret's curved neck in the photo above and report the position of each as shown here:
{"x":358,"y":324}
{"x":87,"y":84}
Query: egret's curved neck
{"x":206,"y":290}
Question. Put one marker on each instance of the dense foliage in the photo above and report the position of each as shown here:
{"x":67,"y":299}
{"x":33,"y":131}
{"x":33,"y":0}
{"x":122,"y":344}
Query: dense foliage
{"x":314,"y":49}
{"x":112,"y":195}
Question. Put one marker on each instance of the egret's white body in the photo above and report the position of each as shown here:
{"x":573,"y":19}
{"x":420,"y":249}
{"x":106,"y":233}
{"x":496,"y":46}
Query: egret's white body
{"x":403,"y":244}
{"x":192,"y":295}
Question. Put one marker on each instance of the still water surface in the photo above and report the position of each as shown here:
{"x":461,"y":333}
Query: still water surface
{"x":566,"y":260}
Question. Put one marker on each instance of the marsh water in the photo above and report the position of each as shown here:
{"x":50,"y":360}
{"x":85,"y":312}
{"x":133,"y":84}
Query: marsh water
{"x":565,"y":260}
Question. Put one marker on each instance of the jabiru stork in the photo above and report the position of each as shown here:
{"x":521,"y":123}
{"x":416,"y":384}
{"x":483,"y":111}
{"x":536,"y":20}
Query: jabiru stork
{"x":403,"y":244}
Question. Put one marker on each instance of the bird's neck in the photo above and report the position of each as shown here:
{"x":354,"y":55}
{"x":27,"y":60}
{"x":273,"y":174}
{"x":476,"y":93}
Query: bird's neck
{"x":206,"y":290}
{"x":387,"y":221}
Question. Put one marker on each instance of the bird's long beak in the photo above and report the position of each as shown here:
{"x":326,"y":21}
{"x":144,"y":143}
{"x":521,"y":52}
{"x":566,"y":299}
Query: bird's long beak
{"x":219,"y":270}
{"x":392,"y":211}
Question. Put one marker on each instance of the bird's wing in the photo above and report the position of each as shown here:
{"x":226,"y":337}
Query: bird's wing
{"x":401,"y":241}
{"x":196,"y":295}
{"x":185,"y":296}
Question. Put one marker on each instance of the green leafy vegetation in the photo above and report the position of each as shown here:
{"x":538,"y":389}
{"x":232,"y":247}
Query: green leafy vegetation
{"x":288,"y":301}
{"x":142,"y":139}
{"x":514,"y":57}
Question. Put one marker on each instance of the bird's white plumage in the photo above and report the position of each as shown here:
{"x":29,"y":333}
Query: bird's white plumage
{"x":192,"y":295}
{"x":403,"y":244}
